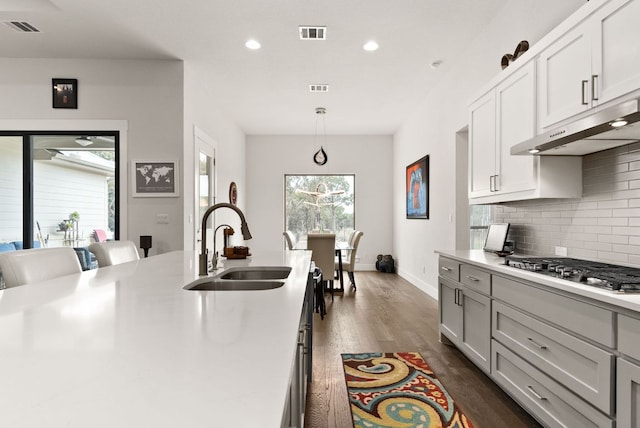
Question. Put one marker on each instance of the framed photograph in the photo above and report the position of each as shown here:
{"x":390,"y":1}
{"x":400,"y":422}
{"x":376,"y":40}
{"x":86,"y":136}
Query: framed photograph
{"x":65,"y":93}
{"x":154,"y":178}
{"x":418,"y":189}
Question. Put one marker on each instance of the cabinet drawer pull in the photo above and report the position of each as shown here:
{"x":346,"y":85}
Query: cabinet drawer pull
{"x":447,"y":269}
{"x":583,"y":88}
{"x":536,"y":344}
{"x":535,"y":394}
{"x":594,"y":85}
{"x":473,"y":278}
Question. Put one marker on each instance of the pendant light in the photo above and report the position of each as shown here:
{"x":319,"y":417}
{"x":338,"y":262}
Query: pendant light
{"x":320,"y":157}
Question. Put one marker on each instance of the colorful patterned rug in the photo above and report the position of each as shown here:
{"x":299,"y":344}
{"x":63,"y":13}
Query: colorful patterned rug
{"x":398,"y":390}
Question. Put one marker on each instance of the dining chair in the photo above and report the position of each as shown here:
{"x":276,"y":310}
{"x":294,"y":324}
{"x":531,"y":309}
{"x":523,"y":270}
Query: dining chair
{"x":323,"y":247}
{"x":22,"y":267}
{"x":290,"y":238}
{"x":114,"y":252}
{"x":349,"y":262}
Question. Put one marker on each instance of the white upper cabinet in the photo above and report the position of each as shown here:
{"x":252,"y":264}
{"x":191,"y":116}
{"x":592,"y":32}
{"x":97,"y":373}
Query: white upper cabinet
{"x":515,"y":122}
{"x":564,"y":71}
{"x":617,"y":49}
{"x":596,"y":61}
{"x":482,"y":152}
{"x":502,"y":117}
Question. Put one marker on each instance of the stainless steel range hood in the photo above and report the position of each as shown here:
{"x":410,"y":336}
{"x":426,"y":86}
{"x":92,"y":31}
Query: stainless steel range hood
{"x":590,"y":134}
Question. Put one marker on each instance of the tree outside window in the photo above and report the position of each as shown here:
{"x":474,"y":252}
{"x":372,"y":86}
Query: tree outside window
{"x":319,"y":203}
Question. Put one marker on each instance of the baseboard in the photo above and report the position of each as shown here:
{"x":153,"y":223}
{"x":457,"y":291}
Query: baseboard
{"x":420,"y":284}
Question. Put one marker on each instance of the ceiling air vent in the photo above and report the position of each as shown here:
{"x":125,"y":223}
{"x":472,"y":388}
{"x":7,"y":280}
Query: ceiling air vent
{"x":319,"y":88}
{"x":313,"y":33}
{"x":22,"y":27}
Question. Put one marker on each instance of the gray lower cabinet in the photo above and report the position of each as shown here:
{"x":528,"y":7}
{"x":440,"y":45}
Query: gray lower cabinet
{"x":582,"y":367}
{"x":628,"y":394}
{"x":465,"y":319}
{"x":628,"y":372}
{"x":293,"y":416}
{"x":554,"y":352}
{"x":551,"y":403}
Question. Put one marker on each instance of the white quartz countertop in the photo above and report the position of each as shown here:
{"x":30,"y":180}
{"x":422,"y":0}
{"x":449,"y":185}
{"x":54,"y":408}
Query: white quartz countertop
{"x":126,"y":346}
{"x":489,"y":260}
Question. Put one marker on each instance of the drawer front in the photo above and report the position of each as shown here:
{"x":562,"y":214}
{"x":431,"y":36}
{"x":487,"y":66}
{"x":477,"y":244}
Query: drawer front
{"x":628,"y":394}
{"x":449,"y":268}
{"x":629,"y":336}
{"x":545,"y":399}
{"x":578,"y":365}
{"x":476,"y":279}
{"x":590,"y":321}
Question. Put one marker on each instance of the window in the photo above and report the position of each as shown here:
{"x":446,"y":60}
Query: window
{"x":481,"y":218}
{"x":58,"y":187}
{"x":320,"y":203}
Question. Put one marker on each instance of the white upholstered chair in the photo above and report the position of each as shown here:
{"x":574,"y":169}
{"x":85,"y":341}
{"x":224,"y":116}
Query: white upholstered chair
{"x":323,"y":247}
{"x":290,"y":238}
{"x":34,"y":265}
{"x":349,"y":260}
{"x":114,"y":252}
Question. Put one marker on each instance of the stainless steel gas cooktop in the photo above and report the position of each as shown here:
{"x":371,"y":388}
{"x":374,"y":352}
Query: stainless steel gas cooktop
{"x":620,"y":279}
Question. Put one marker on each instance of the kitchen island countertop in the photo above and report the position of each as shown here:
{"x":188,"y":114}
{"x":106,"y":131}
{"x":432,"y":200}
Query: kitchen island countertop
{"x":485,"y":259}
{"x":126,"y":346}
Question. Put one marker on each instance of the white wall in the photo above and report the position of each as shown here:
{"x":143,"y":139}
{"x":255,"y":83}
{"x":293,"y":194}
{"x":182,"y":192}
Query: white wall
{"x":433,"y":126}
{"x":269,"y":158}
{"x":148,"y":95}
{"x":202,"y":109}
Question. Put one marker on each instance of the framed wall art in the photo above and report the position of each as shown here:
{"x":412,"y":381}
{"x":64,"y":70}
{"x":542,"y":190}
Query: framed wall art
{"x":155,"y":178}
{"x":417,"y":187}
{"x":65,"y":93}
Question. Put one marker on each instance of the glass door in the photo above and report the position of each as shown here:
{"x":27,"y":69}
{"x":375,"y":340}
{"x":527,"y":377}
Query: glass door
{"x":205,"y":184}
{"x":57,"y":187}
{"x":11,"y":191}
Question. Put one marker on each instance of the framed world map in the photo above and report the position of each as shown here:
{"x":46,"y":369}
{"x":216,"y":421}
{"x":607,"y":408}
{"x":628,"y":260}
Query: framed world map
{"x":153,"y":178}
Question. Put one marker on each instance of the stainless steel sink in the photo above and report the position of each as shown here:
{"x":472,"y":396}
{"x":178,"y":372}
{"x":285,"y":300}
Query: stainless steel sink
{"x":217,"y":284}
{"x":256,"y":272}
{"x":243,"y":278}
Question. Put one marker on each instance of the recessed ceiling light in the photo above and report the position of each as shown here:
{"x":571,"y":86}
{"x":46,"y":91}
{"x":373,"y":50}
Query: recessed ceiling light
{"x":370,"y":46}
{"x":253,"y":44}
{"x":436,"y":64}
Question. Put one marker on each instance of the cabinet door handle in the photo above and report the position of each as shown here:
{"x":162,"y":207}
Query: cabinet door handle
{"x":496,"y":187}
{"x":594,"y":84}
{"x":491,"y":183}
{"x":473,"y":278}
{"x":455,"y":296}
{"x":583,"y":88}
{"x":535,"y":394}
{"x":536,"y":344}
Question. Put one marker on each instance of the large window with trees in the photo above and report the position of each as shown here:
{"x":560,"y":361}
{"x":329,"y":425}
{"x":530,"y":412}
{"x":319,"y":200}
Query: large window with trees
{"x":481,"y":218}
{"x":319,"y":203}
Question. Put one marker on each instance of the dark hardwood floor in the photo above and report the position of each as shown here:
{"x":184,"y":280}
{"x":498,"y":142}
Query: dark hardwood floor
{"x":388,"y":314}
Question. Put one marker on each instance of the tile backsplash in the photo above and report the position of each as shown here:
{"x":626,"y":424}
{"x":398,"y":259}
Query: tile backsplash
{"x":602,"y":225}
